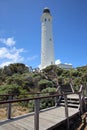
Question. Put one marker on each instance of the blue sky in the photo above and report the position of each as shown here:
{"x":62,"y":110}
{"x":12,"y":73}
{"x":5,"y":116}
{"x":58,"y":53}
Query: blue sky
{"x":20,"y":31}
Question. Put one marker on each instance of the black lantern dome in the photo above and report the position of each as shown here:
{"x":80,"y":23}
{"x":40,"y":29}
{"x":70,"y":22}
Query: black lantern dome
{"x":46,"y":10}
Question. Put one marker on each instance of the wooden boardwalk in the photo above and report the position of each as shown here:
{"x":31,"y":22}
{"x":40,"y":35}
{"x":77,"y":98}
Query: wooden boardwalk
{"x":47,"y":119}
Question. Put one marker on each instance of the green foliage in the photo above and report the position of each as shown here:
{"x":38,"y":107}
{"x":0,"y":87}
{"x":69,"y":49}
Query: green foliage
{"x":75,"y":73}
{"x":17,"y":78}
{"x":28,"y":81}
{"x":31,"y":106}
{"x":15,"y":68}
{"x":45,"y":103}
{"x":84,"y":78}
{"x":9,"y":89}
{"x":59,"y":71}
{"x":82,"y":69}
{"x":49,"y":90}
{"x":44,"y":83}
{"x":65,"y":73}
{"x":50,"y":68}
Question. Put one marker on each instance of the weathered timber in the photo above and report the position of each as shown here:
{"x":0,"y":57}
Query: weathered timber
{"x":47,"y":119}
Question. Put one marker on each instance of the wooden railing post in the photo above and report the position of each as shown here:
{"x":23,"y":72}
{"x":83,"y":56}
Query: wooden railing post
{"x":66,"y":111}
{"x":80,"y":102}
{"x":36,"y":116}
{"x":84,"y":101}
{"x":86,"y":89}
{"x":9,"y":108}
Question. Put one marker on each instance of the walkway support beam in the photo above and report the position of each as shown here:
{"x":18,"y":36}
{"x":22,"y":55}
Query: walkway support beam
{"x":66,"y":111}
{"x":36,"y":116}
{"x":9,"y":108}
{"x":80,"y":102}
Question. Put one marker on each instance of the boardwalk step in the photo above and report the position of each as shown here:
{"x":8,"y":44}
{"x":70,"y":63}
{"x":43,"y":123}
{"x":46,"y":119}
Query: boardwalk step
{"x":72,"y":102}
{"x":70,"y":105}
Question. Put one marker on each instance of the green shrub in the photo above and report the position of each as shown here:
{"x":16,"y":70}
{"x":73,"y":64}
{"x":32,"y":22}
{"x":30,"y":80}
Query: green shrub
{"x":44,"y":84}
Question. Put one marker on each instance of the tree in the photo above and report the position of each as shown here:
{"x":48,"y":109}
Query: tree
{"x":10,"y":89}
{"x":15,"y":68}
{"x":44,"y":84}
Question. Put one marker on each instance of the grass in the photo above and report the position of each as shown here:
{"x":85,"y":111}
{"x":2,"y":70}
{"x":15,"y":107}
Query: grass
{"x":15,"y":111}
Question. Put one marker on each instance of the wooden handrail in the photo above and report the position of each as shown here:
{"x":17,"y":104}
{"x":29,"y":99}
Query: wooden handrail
{"x":36,"y":106}
{"x":27,"y":99}
{"x":27,"y":93}
{"x":41,"y":97}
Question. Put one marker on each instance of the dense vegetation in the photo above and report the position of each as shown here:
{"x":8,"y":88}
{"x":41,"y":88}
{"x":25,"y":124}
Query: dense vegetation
{"x":19,"y":79}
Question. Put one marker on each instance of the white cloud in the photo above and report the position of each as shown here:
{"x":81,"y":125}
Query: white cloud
{"x":8,"y":56}
{"x":58,"y":61}
{"x":9,"y":41}
{"x":5,"y":64}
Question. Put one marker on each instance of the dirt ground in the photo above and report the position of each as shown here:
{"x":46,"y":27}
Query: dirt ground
{"x":15,"y":111}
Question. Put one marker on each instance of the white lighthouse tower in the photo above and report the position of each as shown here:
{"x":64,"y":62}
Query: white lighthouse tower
{"x":47,"y":46}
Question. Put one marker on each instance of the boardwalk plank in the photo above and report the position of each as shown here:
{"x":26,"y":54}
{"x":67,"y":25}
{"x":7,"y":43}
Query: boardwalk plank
{"x":24,"y":125}
{"x":47,"y":119}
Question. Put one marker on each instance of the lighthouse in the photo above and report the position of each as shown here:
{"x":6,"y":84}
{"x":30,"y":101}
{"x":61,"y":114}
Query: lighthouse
{"x":47,"y":45}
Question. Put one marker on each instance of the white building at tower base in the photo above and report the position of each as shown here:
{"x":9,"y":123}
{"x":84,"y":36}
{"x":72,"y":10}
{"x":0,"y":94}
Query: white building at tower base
{"x":65,"y":66}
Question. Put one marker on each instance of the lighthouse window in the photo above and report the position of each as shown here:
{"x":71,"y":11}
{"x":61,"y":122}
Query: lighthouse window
{"x":49,"y":19}
{"x":45,"y":19}
{"x":50,"y":39}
